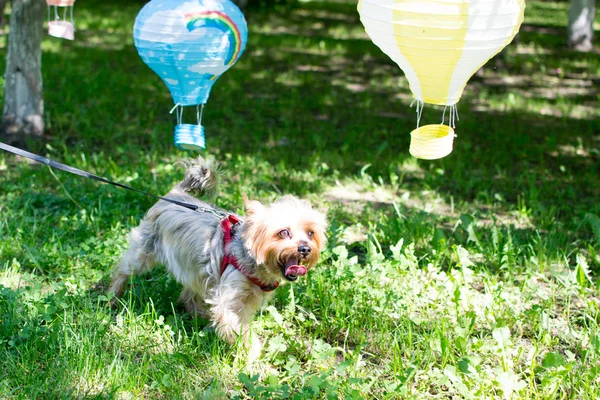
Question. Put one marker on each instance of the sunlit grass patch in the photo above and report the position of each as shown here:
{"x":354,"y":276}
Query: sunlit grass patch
{"x":474,"y":276}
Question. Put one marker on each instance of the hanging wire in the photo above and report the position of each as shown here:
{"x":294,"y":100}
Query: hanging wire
{"x":72,"y":20}
{"x":179,"y":113}
{"x":199,"y":111}
{"x":56,"y":17}
{"x":419,"y":110}
{"x":65,"y":13}
{"x":174,"y":108}
{"x":453,"y":115}
{"x":444,"y":115}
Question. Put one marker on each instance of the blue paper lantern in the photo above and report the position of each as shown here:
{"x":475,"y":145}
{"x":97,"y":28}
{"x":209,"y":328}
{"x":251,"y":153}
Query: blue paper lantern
{"x":189,"y":44}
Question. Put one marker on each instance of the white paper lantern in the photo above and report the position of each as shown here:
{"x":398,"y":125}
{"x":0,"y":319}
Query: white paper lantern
{"x":57,"y":27}
{"x":440,"y":44}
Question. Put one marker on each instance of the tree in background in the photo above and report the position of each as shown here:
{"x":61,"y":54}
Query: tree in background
{"x":580,"y":31}
{"x":23,"y":113}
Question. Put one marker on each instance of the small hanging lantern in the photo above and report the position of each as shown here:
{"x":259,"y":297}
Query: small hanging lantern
{"x":440,"y":44}
{"x":57,"y":27}
{"x":189,"y":44}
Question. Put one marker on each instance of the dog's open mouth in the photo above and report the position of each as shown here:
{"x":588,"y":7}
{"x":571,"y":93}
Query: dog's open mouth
{"x":291,"y":270}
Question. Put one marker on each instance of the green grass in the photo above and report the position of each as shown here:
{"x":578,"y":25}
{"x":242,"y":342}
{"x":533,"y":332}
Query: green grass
{"x":474,"y":276}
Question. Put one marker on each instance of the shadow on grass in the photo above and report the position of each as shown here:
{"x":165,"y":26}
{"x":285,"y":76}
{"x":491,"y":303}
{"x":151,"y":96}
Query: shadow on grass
{"x":311,"y":104}
{"x":312,"y":90}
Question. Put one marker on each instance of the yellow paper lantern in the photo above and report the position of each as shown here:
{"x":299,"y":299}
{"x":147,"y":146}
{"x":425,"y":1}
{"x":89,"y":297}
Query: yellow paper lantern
{"x":440,"y":44}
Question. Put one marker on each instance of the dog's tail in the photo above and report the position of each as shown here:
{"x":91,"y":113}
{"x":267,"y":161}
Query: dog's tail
{"x":201,"y":177}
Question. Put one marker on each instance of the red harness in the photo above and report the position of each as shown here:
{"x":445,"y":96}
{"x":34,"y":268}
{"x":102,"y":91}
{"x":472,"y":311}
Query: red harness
{"x":227,"y":224}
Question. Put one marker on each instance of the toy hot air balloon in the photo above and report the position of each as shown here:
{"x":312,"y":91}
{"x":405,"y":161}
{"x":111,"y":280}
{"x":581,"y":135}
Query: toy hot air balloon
{"x":440,"y":44}
{"x":189,"y":44}
{"x":61,"y":28}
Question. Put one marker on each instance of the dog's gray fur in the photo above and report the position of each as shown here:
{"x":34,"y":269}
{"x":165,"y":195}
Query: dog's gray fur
{"x":190,"y":245}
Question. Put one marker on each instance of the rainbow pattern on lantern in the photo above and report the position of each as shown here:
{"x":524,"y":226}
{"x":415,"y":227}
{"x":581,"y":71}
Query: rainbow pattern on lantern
{"x":190,"y":43}
{"x":221,"y":21}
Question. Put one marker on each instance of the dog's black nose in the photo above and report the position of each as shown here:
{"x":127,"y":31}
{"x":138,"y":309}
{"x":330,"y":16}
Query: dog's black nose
{"x":304,"y":250}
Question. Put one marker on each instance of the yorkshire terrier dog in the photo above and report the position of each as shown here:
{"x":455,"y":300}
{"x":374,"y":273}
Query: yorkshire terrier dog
{"x":227,"y":265}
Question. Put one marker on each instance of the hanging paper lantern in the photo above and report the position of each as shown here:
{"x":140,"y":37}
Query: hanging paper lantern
{"x":440,"y":44}
{"x":189,"y":44}
{"x":61,"y":28}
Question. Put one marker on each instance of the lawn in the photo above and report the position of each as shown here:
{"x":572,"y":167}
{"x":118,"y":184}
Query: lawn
{"x":474,"y":276}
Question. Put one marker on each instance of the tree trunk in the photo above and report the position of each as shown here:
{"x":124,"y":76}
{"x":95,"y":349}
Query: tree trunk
{"x":23,"y":96}
{"x":581,"y":24}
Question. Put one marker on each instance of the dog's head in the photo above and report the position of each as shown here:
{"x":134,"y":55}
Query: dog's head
{"x":286,"y":237}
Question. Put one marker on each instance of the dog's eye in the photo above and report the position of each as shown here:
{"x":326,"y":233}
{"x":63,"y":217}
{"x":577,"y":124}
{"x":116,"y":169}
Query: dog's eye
{"x":284,"y":234}
{"x":310,"y":234}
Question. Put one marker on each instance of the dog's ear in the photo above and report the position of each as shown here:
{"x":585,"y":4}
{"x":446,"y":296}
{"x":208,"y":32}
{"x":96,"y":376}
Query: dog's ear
{"x":252,"y":206}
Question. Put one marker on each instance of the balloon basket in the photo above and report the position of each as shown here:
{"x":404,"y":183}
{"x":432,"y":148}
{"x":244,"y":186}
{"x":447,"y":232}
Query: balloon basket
{"x":430,"y":142}
{"x":61,"y":29}
{"x":189,"y":137}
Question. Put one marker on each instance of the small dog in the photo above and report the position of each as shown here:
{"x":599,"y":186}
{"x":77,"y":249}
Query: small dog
{"x":227,"y":266}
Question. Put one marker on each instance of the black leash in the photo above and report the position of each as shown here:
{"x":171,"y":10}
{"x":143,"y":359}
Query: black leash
{"x":67,"y":168}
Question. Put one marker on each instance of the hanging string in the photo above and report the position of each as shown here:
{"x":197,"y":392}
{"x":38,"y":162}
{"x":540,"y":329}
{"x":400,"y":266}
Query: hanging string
{"x":174,"y":108}
{"x":199,"y":107}
{"x":456,"y":112}
{"x":179,"y":114}
{"x":444,"y":115}
{"x":418,"y":109}
{"x":453,"y":115}
{"x":72,"y":20}
{"x":56,"y":17}
{"x":65,"y":13}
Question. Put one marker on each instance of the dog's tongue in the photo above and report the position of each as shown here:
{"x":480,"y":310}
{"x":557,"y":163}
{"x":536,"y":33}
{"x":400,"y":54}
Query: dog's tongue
{"x":292,"y":269}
